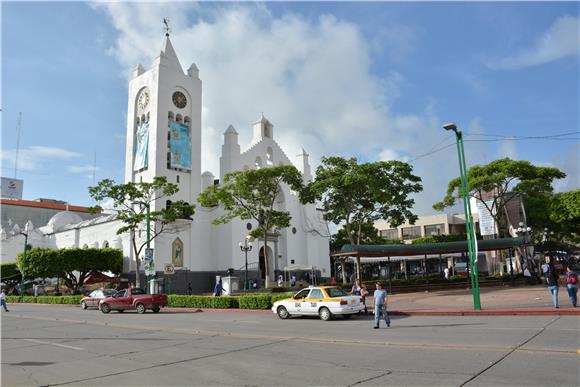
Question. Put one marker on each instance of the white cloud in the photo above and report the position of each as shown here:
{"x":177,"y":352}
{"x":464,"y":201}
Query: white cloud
{"x":507,"y":148}
{"x":82,"y":168}
{"x":560,"y":41}
{"x":312,"y":79}
{"x":34,"y":158}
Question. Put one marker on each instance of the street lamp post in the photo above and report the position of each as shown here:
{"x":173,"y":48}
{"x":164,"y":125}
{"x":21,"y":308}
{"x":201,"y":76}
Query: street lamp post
{"x":246,"y":246}
{"x":524,"y":231}
{"x":25,"y":233}
{"x":148,"y":231}
{"x":471,"y":238}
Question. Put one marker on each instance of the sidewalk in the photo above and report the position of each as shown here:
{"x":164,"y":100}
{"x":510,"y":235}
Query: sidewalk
{"x":526,"y":300}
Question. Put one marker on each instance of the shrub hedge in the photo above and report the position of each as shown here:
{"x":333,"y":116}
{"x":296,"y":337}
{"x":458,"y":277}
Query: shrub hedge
{"x":46,"y":299}
{"x":182,"y":301}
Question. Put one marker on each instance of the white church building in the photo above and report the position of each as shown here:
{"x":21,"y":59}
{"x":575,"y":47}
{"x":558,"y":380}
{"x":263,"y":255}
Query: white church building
{"x":164,"y":139}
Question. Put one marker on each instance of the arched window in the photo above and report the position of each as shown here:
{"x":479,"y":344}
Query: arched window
{"x":179,"y":118}
{"x":143,"y":118}
{"x":187,"y":120}
{"x":269,"y":156}
{"x":171,"y":116}
{"x":177,"y":253}
{"x":137,"y":121}
{"x":105,"y":244}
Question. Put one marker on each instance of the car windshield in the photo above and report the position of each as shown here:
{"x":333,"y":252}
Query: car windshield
{"x":109,"y":292}
{"x":335,"y":292}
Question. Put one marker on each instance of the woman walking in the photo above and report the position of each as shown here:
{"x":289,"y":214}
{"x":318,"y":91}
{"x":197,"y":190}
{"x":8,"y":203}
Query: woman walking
{"x":553,"y":284}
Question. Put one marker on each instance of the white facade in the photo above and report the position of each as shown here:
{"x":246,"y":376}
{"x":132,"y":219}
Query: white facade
{"x":201,"y":246}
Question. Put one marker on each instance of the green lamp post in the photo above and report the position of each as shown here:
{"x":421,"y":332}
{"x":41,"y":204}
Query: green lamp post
{"x":471,"y":238}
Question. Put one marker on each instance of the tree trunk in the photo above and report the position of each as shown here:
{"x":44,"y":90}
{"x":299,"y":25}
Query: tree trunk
{"x":343,"y":266}
{"x":266,"y":266}
{"x":137,"y":263}
{"x":358,"y":268}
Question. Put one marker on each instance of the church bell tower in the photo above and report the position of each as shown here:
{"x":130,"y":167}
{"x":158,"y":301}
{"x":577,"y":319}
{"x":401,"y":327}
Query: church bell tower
{"x":164,"y":125}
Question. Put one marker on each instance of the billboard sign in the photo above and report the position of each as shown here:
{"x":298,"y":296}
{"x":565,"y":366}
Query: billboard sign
{"x":487,"y":224}
{"x":12,"y":188}
{"x":180,"y":145}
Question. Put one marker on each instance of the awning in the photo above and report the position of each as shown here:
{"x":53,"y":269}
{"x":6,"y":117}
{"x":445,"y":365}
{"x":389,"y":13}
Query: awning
{"x":428,"y":248}
{"x":96,"y":276}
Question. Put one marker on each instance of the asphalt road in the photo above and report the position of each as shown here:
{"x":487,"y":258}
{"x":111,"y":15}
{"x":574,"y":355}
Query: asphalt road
{"x":60,"y":345}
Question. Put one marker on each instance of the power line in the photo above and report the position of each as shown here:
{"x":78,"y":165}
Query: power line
{"x":523,"y":137}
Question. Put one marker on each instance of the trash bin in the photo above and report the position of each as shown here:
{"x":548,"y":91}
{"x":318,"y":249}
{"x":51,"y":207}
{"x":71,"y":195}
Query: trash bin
{"x":156,"y":286}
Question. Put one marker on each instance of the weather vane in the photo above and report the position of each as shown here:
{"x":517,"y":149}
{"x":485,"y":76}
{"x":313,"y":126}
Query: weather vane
{"x":167,"y":29}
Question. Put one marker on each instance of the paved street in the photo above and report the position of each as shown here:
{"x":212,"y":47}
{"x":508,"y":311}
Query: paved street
{"x":59,"y":345}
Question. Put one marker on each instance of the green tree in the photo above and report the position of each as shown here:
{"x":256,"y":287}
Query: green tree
{"x":73,"y":265}
{"x":497,"y":183}
{"x":252,"y":194}
{"x":564,"y":211}
{"x":356,"y":194}
{"x":10,"y":274}
{"x":131,"y":201}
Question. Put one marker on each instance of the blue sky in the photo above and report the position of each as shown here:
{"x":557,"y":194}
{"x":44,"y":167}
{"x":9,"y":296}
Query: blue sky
{"x":371,"y":80}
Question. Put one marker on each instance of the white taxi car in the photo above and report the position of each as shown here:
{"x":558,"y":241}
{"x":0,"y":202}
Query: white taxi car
{"x":324,"y":301}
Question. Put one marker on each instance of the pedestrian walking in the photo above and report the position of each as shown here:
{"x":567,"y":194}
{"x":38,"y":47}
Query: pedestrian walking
{"x":3,"y":300}
{"x":446,"y":272}
{"x":381,"y":305}
{"x":189,"y":290}
{"x":218,"y":289}
{"x":553,"y":284}
{"x":359,"y":289}
{"x":572,"y":285}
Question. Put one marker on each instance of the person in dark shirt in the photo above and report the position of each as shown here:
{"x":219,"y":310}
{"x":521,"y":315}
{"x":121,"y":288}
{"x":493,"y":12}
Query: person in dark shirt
{"x":553,"y":285}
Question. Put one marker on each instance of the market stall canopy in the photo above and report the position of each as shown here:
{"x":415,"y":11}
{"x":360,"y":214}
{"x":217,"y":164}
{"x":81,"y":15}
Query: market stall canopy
{"x":428,"y":248}
{"x":97,"y":277}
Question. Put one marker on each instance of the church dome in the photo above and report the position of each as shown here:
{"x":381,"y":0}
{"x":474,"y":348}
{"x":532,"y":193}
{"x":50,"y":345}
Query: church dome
{"x":61,"y":219}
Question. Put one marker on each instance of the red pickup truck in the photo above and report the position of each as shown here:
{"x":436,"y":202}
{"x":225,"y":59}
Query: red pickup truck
{"x":133,"y":298}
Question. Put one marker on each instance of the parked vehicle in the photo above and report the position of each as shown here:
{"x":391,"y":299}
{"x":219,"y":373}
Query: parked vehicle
{"x":133,"y":298}
{"x":324,"y":301}
{"x":92,"y":300}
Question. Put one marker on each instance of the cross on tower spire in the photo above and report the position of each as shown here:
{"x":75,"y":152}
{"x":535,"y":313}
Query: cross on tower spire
{"x":167,"y":29}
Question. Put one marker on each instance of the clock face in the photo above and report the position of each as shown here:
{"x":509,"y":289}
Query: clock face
{"x":143,"y":99}
{"x":179,"y":99}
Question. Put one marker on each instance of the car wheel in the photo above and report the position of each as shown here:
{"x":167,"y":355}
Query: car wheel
{"x":83,"y":305}
{"x":156,"y":309}
{"x":282,"y":312}
{"x":347,"y":316}
{"x":140,"y":308}
{"x":105,"y":308}
{"x":324,"y":314}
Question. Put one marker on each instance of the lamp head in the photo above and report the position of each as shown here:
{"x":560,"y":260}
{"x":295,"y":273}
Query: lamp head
{"x":450,"y":126}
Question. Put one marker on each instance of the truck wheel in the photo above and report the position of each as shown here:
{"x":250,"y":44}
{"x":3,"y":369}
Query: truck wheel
{"x":156,"y":309}
{"x":105,"y":308}
{"x":140,"y":308}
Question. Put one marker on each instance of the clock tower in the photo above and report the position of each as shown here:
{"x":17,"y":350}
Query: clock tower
{"x":164,"y":125}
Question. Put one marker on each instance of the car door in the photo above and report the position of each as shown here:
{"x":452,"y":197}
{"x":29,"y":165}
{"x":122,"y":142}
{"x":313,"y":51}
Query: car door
{"x":313,"y":302}
{"x":95,"y":297}
{"x":120,"y":300}
{"x":297,"y":303}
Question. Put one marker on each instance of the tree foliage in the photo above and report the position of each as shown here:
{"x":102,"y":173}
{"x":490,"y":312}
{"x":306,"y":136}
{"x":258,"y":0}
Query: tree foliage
{"x":358,"y":194}
{"x":10,"y":274}
{"x":73,"y":265}
{"x":131,"y":201}
{"x":369,"y":235}
{"x":564,"y":211}
{"x":499,"y":178}
{"x":252,"y":194}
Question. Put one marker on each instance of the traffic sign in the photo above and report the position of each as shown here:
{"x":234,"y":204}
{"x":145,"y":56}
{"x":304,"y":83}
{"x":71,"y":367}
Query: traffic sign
{"x":169,"y":269}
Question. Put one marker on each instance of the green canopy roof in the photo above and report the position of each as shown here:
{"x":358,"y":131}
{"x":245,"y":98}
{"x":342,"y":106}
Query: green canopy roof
{"x":428,"y":248}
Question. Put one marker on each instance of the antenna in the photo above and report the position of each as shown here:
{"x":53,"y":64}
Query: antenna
{"x":18,"y":127}
{"x":94,"y":166}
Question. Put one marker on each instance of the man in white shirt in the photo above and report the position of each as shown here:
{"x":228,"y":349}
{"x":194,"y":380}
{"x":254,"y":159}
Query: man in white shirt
{"x":446,"y":272}
{"x":3,"y":300}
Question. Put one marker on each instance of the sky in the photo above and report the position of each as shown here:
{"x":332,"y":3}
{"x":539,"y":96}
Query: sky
{"x":371,"y":80}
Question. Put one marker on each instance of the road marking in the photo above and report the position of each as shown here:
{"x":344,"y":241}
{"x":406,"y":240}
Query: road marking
{"x":55,"y":344}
